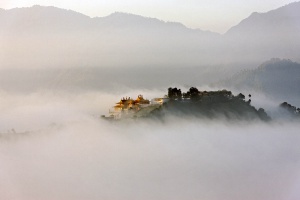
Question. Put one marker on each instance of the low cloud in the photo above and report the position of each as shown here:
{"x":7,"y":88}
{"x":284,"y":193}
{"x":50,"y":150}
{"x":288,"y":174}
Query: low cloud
{"x":69,"y":153}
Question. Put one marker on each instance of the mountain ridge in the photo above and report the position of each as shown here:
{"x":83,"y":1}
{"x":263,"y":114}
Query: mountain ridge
{"x":276,"y":78}
{"x":53,"y":34}
{"x":280,"y":15}
{"x":294,"y":6}
{"x":116,"y":17}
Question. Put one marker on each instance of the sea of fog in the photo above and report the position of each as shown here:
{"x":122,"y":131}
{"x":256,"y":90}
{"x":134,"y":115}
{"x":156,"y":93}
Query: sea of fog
{"x":53,"y":145}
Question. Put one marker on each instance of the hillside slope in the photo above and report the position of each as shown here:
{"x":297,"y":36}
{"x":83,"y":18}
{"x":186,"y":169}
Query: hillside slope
{"x":279,"y":79}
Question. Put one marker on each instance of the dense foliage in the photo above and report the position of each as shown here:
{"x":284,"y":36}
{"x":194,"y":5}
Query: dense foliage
{"x":210,"y":104}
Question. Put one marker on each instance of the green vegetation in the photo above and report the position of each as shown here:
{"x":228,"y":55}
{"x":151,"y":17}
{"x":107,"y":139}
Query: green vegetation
{"x":210,"y":104}
{"x":292,"y":110}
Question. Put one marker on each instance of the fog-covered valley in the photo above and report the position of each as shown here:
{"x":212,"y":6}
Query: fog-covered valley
{"x":61,"y":70}
{"x":55,"y":146}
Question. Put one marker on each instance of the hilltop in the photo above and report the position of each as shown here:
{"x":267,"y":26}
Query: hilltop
{"x":220,"y":104}
{"x":194,"y":103}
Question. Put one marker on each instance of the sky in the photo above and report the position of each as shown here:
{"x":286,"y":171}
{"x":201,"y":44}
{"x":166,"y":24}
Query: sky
{"x":213,"y":15}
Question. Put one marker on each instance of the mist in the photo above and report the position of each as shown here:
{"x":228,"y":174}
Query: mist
{"x":59,"y":148}
{"x":61,"y":70}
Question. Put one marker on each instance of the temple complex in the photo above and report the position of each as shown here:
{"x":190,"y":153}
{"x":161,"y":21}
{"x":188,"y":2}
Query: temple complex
{"x":129,"y":108}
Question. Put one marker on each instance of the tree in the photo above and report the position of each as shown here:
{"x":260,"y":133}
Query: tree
{"x":170,"y":93}
{"x":241,"y":96}
{"x":174,"y":93}
{"x":194,"y":93}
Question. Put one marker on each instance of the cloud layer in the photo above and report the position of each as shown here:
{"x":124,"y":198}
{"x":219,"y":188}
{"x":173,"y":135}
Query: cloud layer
{"x":72,"y":155}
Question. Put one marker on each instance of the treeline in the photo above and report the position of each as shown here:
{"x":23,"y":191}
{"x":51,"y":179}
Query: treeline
{"x":212,"y":104}
{"x":194,"y":94}
{"x":293,"y":110}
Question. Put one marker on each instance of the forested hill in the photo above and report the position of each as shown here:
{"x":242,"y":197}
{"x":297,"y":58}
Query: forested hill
{"x":276,"y":78}
{"x":210,"y":104}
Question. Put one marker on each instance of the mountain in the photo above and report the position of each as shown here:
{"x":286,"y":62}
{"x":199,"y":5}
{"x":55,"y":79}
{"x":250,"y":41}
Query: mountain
{"x":39,"y":18}
{"x":43,"y":37}
{"x":284,"y":20}
{"x":46,"y":18}
{"x":69,"y":48}
{"x":265,"y":35}
{"x":120,"y":39}
{"x":276,"y":78}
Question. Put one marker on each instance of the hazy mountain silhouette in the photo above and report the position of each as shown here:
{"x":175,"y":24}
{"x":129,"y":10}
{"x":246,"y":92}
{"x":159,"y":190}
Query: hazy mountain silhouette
{"x":276,"y":22}
{"x":70,"y":48}
{"x":119,"y":39}
{"x":47,"y":18}
{"x":277,"y":78}
{"x":47,"y":36}
{"x":266,"y":35}
{"x":39,"y":18}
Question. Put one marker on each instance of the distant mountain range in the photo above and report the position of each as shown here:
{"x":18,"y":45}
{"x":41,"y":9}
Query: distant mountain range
{"x":272,"y":34}
{"x":43,"y":37}
{"x":276,"y":78}
{"x":48,"y":36}
{"x":48,"y":47}
{"x":284,"y":20}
